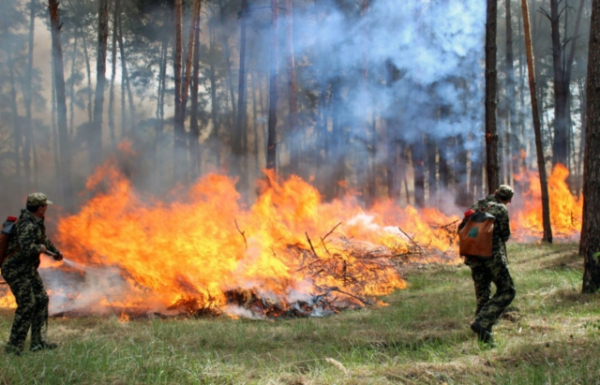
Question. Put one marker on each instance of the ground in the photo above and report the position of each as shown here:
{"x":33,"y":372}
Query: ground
{"x":550,"y":335}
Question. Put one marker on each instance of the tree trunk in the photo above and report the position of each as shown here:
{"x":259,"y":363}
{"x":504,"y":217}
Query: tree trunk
{"x":179,"y":132}
{"x":418,"y":162}
{"x":72,"y":88}
{"x":59,"y":81}
{"x":590,"y":236}
{"x":111,"y":97}
{"x":215,"y":144}
{"x":522,"y":115}
{"x":537,"y":126}
{"x":273,"y":58}
{"x":160,"y":108}
{"x":240,"y":135}
{"x":463,"y":198}
{"x":95,"y":137}
{"x":126,"y":84}
{"x":513,"y":142}
{"x":295,"y":139}
{"x":27,"y":148}
{"x":16,"y":119}
{"x":492,"y":166}
{"x":444,"y":165}
{"x":559,"y":147}
{"x":568,"y":72}
{"x":431,"y":165}
{"x":255,"y":151}
{"x":188,"y":61}
{"x":88,"y":69}
{"x":229,"y":76}
{"x":338,"y":142}
{"x":55,"y":145}
{"x":194,"y":129}
{"x":582,"y":113}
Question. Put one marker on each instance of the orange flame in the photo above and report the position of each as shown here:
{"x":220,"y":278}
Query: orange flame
{"x":194,"y":251}
{"x":565,"y":209}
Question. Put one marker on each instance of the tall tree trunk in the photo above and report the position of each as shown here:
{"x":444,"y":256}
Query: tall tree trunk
{"x":431,"y":166}
{"x":583,"y":115}
{"x":88,"y":69}
{"x":72,"y":87}
{"x":537,"y":126}
{"x":513,"y":138}
{"x":418,"y":162}
{"x":16,"y":119}
{"x":229,"y":74}
{"x":295,"y":139}
{"x":179,"y":145}
{"x":59,"y":81}
{"x":240,"y":135}
{"x":338,"y":142}
{"x":162,"y":76}
{"x":188,"y":61}
{"x":27,"y":148}
{"x":273,"y":58}
{"x":194,"y":129}
{"x":254,"y":85}
{"x":559,"y":146}
{"x":445,"y":170}
{"x":568,"y":72}
{"x":589,"y":245}
{"x":215,"y":140}
{"x":55,"y":145}
{"x":393,"y":163}
{"x":365,"y":168}
{"x":492,"y":166}
{"x":463,"y":198}
{"x":95,"y":137}
{"x":111,"y":97}
{"x":522,"y":115}
{"x":125,"y":85}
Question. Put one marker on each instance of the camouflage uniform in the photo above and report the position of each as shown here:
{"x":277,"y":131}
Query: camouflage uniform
{"x":487,"y":270}
{"x":20,"y":272}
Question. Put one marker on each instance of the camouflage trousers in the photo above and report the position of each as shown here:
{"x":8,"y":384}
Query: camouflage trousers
{"x":485,"y":271}
{"x":32,"y":308}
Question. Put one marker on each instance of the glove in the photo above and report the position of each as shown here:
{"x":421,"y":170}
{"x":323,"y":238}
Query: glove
{"x":58,"y":256}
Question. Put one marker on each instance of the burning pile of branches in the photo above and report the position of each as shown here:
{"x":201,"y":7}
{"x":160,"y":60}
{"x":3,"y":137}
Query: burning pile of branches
{"x":337,"y":273}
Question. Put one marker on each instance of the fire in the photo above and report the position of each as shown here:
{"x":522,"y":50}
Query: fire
{"x":565,"y":209}
{"x":7,"y":300}
{"x":289,"y":252}
{"x":288,"y":249}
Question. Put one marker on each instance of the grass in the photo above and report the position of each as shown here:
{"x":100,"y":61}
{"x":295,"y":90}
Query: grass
{"x":549,"y":336}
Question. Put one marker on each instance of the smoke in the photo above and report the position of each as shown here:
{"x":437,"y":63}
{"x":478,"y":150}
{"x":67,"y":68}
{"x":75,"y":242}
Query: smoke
{"x":419,"y":63}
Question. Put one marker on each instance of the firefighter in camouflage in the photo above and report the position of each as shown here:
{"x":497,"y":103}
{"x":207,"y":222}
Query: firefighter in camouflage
{"x":20,"y":272}
{"x":495,"y":269}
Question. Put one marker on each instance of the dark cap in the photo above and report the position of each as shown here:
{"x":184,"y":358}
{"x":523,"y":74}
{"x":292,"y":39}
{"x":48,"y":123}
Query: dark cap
{"x":505,"y":192}
{"x":38,"y":199}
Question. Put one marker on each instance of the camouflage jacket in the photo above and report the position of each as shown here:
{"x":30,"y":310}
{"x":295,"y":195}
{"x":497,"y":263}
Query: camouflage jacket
{"x":29,"y":234}
{"x":501,"y":223}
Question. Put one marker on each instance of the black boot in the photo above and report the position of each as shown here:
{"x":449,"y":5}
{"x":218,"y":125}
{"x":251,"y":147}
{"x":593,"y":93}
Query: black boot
{"x":484,"y":335}
{"x":11,"y":349}
{"x":43,"y":346}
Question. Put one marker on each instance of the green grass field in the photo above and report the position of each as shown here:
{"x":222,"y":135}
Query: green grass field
{"x":549,"y":336}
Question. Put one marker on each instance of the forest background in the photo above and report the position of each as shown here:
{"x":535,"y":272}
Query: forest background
{"x":381,"y":99}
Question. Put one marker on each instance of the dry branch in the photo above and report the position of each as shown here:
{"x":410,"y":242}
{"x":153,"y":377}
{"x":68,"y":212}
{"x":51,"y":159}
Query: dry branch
{"x":243,"y":233}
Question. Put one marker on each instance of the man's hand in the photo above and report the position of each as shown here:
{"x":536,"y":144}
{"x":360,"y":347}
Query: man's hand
{"x":58,"y":256}
{"x":42,"y":248}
